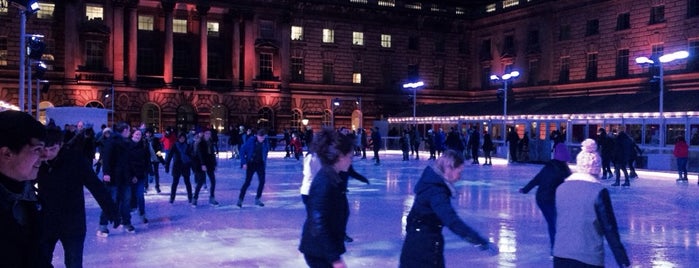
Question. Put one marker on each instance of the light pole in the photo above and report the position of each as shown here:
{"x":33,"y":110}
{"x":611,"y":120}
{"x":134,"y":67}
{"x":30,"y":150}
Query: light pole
{"x":505,"y":79}
{"x":26,"y":7}
{"x":414,"y":86}
{"x":336,"y":103}
{"x":658,"y":61}
{"x":111,"y":97}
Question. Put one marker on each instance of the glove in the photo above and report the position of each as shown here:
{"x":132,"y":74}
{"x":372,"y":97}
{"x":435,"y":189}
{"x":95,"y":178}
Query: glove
{"x":491,"y":248}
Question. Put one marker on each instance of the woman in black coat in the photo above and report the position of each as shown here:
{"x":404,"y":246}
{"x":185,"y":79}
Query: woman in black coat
{"x":432,"y":210}
{"x":139,"y":167}
{"x":181,"y":153}
{"x":323,"y":237}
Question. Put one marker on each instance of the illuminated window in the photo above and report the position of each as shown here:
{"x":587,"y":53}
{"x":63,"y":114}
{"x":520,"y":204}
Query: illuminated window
{"x":297,"y":33}
{"x":297,"y":69}
{"x":386,"y":40}
{"x":490,"y":8}
{"x":387,"y":3}
{"x":179,"y":26}
{"x":358,"y":38}
{"x":3,"y":6}
{"x":212,"y":28}
{"x":145,"y":22}
{"x":415,"y":5}
{"x":94,"y":11}
{"x":460,"y":11}
{"x":45,"y":11}
{"x":358,"y":1}
{"x":3,"y":51}
{"x":328,"y":36}
{"x":509,"y":3}
{"x":356,"y":78}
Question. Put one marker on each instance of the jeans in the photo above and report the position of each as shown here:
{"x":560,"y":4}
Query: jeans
{"x":682,"y":167}
{"x":183,"y":172}
{"x":138,"y":191}
{"x":121,"y":194}
{"x":73,"y":245}
{"x":253,"y":168}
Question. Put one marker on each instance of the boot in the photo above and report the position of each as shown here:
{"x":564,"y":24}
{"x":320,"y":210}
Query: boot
{"x":240,"y":203}
{"x":212,"y":201}
{"x":259,"y":203}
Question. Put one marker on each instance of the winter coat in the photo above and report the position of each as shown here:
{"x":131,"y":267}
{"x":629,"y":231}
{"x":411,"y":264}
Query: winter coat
{"x":584,"y":218}
{"x":62,"y":197}
{"x":623,"y":148}
{"x":181,"y":153}
{"x":681,"y":150}
{"x":324,"y":229}
{"x":431,"y":210}
{"x":248,"y":149}
{"x":488,"y":143}
{"x":206,"y":154}
{"x":548,"y":179}
{"x":115,"y":160}
{"x":19,"y":241}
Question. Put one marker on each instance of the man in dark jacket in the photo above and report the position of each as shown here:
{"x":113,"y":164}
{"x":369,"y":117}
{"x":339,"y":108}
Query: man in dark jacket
{"x":206,"y":154}
{"x":606,"y":149}
{"x":623,"y":148}
{"x":253,"y":158}
{"x":376,"y":143}
{"x":181,"y":153}
{"x":154,"y":149}
{"x":21,"y":154}
{"x":513,"y":141}
{"x":61,"y":180}
{"x":117,"y":177}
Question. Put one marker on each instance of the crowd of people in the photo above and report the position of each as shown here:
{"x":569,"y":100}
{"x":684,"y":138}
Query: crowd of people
{"x":61,"y":162}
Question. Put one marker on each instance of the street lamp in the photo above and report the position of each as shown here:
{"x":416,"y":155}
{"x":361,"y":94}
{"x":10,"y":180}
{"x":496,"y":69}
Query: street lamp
{"x":658,"y":62}
{"x":414,"y":86}
{"x":505,"y":78}
{"x":110,"y":95}
{"x":26,"y":8}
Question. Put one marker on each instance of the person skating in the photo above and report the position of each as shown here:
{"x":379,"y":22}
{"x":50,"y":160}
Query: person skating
{"x":253,"y":158}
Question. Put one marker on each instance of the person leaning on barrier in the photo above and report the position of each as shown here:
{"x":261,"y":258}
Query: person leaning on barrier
{"x":21,"y":153}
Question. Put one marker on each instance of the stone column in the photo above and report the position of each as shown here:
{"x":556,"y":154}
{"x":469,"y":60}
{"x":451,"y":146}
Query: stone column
{"x":203,"y":10}
{"x":235,"y":49}
{"x":133,"y":42}
{"x":118,"y":42}
{"x":248,"y":50}
{"x":71,"y":35}
{"x":168,"y":52}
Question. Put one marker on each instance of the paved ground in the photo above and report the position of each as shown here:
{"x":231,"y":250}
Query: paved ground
{"x":657,"y":219}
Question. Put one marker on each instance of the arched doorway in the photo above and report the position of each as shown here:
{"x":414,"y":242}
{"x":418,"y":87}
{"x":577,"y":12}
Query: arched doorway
{"x":327,"y":118}
{"x":266,"y":119}
{"x":150,"y":115}
{"x":296,"y":117}
{"x":186,"y":117}
{"x":219,"y":117}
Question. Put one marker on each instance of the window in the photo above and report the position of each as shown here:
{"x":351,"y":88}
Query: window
{"x":297,"y":69}
{"x":491,"y":8}
{"x":94,"y":12}
{"x":622,"y":63}
{"x":212,"y":28}
{"x":591,"y":70}
{"x":439,"y":77}
{"x":3,"y":51}
{"x":592,"y":27}
{"x":266,"y":29}
{"x":148,"y":62}
{"x":94,"y":54}
{"x":296,"y":33}
{"x":413,"y":72}
{"x":623,"y":21}
{"x":3,"y":6}
{"x":463,"y":78}
{"x":533,"y":45}
{"x":509,"y":46}
{"x":414,"y":43}
{"x":414,"y":5}
{"x":179,"y":26}
{"x":328,"y":73}
{"x":145,"y":22}
{"x":357,"y":72}
{"x":215,"y":65}
{"x":460,"y":11}
{"x":387,"y":3}
{"x":532,"y":77}
{"x":387,"y":75}
{"x":564,"y":75}
{"x":45,"y":11}
{"x":693,"y":60}
{"x":509,"y":3}
{"x":564,"y":33}
{"x":358,"y":1}
{"x":358,"y":38}
{"x":485,"y":78}
{"x":386,"y":40}
{"x":657,"y":14}
{"x":463,"y":47}
{"x":150,"y":115}
{"x":295,"y":119}
{"x":327,"y":118}
{"x":328,"y":36}
{"x":356,"y":78}
{"x":485,"y":53}
{"x":266,"y":66}
{"x":692,"y":8}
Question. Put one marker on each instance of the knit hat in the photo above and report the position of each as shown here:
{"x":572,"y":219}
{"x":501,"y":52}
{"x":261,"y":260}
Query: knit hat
{"x":107,"y":130}
{"x":588,"y":160}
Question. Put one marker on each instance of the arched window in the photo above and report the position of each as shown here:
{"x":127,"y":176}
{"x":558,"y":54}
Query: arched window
{"x":219,"y":117}
{"x":327,"y":118}
{"x":150,"y":115}
{"x":266,"y":118}
{"x":94,"y":104}
{"x":296,"y":119}
{"x":186,"y":117}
